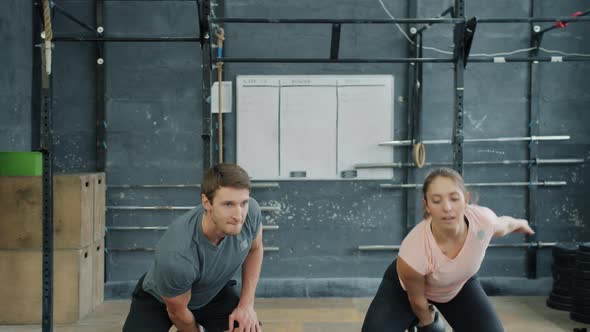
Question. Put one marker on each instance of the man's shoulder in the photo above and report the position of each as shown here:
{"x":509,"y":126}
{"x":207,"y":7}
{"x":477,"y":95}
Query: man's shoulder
{"x":188,"y":218}
{"x":253,"y":206}
{"x":180,"y":232}
{"x":254,"y":216}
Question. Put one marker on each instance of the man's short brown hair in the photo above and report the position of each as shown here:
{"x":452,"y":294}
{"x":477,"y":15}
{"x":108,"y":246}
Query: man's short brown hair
{"x":223,"y":175}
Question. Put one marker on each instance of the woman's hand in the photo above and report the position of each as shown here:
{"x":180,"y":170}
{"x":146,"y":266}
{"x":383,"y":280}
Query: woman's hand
{"x":506,"y":225}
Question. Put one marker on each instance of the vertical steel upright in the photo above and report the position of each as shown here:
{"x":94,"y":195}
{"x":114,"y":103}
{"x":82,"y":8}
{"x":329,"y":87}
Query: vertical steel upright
{"x":220,"y":124}
{"x":36,"y":77}
{"x":457,"y":139}
{"x":47,"y":151}
{"x":204,"y":11}
{"x":43,"y":90}
{"x":533,"y":130}
{"x":100,"y":96}
{"x":100,"y":90}
{"x":408,"y":172}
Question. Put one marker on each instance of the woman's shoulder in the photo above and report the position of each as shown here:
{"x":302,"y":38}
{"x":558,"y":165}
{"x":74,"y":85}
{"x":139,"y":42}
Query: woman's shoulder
{"x":480,"y":211}
{"x":415,"y":250}
{"x":480,"y":215}
{"x":417,"y":232}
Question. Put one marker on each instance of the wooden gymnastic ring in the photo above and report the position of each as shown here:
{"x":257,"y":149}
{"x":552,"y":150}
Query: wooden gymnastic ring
{"x":419,"y":153}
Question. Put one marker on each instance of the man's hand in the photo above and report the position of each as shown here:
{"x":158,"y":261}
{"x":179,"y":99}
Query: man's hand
{"x":246,"y":318}
{"x":199,"y":328}
{"x":180,"y":315}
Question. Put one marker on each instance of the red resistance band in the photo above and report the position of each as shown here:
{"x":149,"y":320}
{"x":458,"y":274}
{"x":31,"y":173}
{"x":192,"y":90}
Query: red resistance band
{"x":562,"y":24}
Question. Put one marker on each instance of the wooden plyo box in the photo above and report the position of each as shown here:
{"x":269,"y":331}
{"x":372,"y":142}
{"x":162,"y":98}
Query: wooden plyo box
{"x":97,"y":258}
{"x":99,"y":206}
{"x":73,"y":211}
{"x":21,"y":275}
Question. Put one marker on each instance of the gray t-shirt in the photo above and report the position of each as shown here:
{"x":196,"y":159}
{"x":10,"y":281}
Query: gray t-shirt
{"x":185,"y":259}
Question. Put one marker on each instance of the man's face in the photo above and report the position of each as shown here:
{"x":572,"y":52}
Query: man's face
{"x":228,"y":210}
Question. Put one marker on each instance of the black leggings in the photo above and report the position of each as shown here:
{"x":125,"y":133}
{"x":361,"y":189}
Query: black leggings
{"x":469,"y":311}
{"x":150,"y":315}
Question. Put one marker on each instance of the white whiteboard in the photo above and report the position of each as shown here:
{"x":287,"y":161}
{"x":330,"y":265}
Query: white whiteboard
{"x":320,"y":125}
{"x":257,"y":129}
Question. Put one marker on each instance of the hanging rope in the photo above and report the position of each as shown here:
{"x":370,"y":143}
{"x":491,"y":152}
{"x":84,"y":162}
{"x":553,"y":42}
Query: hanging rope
{"x":220,"y":34}
{"x":48,"y":35}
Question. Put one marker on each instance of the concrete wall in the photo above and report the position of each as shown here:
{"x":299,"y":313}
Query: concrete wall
{"x":154,"y":115}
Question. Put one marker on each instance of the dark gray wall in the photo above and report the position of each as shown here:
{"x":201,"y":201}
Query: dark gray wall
{"x":154,"y":111}
{"x":15,"y":82}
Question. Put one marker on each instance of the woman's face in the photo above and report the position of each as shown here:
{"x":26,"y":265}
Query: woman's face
{"x":445,"y":202}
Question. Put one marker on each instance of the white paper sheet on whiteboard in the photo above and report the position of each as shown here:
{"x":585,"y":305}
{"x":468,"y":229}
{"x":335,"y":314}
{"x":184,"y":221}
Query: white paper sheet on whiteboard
{"x":322,"y":125}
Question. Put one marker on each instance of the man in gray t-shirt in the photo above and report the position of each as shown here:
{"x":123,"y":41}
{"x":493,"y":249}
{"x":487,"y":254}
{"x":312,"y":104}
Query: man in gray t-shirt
{"x":190,"y":284}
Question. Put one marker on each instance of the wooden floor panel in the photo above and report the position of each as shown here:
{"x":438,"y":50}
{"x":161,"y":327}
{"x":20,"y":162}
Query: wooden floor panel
{"x":519,"y":314}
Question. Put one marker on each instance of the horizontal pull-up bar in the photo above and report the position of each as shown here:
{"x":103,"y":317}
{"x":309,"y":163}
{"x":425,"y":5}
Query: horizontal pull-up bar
{"x":533,"y":19}
{"x":536,"y":161}
{"x":404,"y":60}
{"x":336,"y":21}
{"x":253,"y":185}
{"x":380,"y":247}
{"x":433,"y":20}
{"x":178,"y":208}
{"x":328,"y":60}
{"x":125,"y":39}
{"x":144,"y":249}
{"x":479,"y":184}
{"x":481,"y":140}
{"x":164,"y":228}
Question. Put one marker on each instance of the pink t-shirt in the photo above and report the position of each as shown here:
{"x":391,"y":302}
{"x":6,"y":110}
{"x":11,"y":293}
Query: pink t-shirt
{"x":444,"y":276}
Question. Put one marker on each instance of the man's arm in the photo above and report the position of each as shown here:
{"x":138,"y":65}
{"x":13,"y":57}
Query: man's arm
{"x":244,"y":314}
{"x":251,"y":271}
{"x":179,"y":313}
{"x":506,"y":225}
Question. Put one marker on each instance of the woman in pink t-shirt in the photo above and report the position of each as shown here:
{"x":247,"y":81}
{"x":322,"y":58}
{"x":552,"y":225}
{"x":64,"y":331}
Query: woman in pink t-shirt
{"x":437,"y":262}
